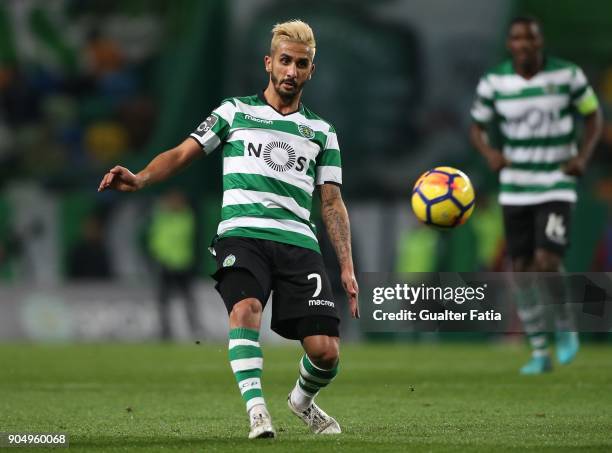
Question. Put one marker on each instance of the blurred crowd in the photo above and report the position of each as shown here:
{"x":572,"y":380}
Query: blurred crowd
{"x":74,"y":95}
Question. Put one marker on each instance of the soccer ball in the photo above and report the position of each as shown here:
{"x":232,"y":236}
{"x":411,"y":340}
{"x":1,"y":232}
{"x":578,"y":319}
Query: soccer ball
{"x":443,"y":197}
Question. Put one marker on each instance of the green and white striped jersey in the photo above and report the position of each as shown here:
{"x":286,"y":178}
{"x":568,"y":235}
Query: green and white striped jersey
{"x":271,"y":164}
{"x":536,"y":122}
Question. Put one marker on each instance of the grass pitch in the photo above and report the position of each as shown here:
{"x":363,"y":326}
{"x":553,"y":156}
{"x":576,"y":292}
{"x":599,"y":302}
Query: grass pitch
{"x":387,"y":397}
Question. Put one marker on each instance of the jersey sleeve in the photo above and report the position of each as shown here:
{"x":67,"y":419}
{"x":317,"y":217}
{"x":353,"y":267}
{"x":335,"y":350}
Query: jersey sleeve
{"x":483,"y":109}
{"x":215,"y":128}
{"x":583,"y":96}
{"x":329,"y":165}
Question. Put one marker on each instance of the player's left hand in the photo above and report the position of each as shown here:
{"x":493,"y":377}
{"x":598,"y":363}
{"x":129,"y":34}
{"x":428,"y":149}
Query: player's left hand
{"x":349,"y":282}
{"x":576,"y":166}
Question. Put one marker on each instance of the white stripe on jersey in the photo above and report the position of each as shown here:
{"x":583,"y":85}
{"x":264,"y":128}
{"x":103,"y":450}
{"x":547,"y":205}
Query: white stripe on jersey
{"x":268,"y":113}
{"x":307,"y":148}
{"x":227,"y":110}
{"x":328,"y":173}
{"x":540,"y":154}
{"x":208,"y":142}
{"x":248,"y":165}
{"x":529,"y":198}
{"x":332,"y":141}
{"x":545,"y":127}
{"x":533,"y":178}
{"x":508,"y":83}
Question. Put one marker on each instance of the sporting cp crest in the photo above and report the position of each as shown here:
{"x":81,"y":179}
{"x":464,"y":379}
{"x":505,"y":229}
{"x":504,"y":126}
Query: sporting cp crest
{"x":306,"y":131}
{"x":229,"y":261}
{"x":551,"y":88}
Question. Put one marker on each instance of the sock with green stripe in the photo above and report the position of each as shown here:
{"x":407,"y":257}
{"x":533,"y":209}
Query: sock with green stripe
{"x":246,"y":361}
{"x":532,"y":314}
{"x":312,"y":379}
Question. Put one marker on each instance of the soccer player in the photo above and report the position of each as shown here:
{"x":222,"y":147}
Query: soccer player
{"x":275,"y":151}
{"x":534,"y":97}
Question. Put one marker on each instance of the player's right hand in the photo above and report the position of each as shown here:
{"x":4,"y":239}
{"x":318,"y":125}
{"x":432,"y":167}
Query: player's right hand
{"x":349,"y":282}
{"x":121,"y":179}
{"x":497,"y":160}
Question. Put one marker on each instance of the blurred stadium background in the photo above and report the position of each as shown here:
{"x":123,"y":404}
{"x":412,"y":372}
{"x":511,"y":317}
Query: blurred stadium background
{"x":86,"y":84}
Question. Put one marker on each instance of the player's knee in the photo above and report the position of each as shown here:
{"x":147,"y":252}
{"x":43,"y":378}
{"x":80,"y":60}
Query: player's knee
{"x":246,"y":312}
{"x":324,"y":352}
{"x":546,"y":261}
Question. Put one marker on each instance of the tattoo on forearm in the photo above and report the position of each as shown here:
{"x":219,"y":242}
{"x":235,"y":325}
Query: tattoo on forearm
{"x":336,"y":220}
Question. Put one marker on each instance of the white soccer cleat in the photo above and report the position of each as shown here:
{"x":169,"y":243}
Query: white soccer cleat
{"x":261,"y":425}
{"x":316,"y":419}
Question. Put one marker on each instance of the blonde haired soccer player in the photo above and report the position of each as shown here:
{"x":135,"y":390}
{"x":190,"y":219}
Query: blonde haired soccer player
{"x":275,"y":153}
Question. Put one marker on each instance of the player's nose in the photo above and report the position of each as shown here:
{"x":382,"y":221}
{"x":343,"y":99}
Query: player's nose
{"x":291,"y":70}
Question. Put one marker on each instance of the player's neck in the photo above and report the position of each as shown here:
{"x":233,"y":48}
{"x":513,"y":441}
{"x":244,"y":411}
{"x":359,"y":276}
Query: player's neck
{"x":280,"y":104}
{"x":529,"y":69}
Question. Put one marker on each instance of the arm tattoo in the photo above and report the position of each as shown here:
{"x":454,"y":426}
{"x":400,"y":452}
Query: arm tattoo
{"x":336,"y":221}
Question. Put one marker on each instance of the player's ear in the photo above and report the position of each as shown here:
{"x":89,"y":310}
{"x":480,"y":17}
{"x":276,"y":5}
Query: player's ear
{"x":268,"y":63}
{"x":312,"y":70}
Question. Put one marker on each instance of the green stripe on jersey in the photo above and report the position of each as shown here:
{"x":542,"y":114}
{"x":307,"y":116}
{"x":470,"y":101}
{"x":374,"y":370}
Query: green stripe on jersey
{"x":274,"y":234}
{"x":579,"y":92}
{"x":220,"y":127}
{"x":330,"y":157}
{"x":243,"y":120}
{"x":538,"y":166}
{"x":311,"y":169}
{"x":533,"y":92}
{"x":539,"y":141}
{"x":233,"y":149}
{"x":259,"y":210}
{"x":565,"y":111}
{"x":486,"y":101}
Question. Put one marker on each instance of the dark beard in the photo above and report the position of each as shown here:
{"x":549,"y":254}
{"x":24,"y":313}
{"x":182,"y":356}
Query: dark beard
{"x":287,"y":97}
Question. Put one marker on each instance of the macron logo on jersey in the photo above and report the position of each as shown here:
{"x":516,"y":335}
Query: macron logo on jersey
{"x":257,"y":120}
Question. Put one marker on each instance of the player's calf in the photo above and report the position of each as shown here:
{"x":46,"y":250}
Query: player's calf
{"x":246,"y":360}
{"x":312,"y":379}
{"x":322,"y":350}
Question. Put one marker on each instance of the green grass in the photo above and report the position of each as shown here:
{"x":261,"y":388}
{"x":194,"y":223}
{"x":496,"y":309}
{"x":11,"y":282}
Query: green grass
{"x":447,"y":397}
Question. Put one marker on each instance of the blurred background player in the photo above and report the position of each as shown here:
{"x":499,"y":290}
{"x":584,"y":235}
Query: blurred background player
{"x":88,"y":258}
{"x":172,"y":244}
{"x":534,"y":97}
{"x":275,"y":151}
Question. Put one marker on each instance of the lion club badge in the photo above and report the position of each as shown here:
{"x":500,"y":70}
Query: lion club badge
{"x":306,"y":131}
{"x":229,"y":261}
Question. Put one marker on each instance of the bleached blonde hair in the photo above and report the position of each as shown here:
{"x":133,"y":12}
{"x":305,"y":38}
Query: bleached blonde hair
{"x":295,"y":31}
